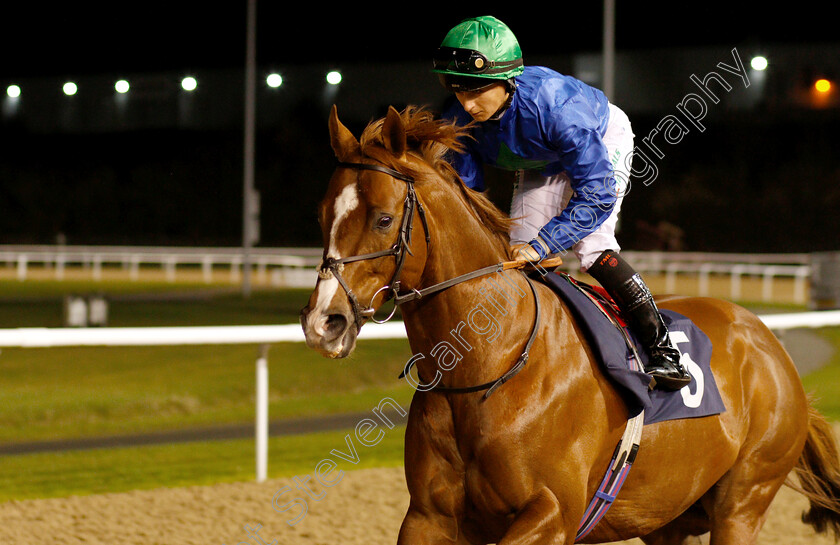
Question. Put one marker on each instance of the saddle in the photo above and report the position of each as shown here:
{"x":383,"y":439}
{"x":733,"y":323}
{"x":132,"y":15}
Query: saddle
{"x":622,"y":357}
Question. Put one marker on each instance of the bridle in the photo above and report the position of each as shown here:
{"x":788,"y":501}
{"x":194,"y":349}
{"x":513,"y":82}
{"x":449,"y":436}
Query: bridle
{"x":333,"y":267}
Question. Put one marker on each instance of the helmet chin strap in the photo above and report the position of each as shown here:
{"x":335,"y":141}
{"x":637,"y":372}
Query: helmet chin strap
{"x":511,"y":87}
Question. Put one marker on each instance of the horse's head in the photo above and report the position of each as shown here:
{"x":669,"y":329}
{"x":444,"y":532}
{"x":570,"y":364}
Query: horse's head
{"x":370,"y":218}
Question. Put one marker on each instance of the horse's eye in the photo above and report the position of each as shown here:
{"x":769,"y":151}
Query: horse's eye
{"x":384,"y":222}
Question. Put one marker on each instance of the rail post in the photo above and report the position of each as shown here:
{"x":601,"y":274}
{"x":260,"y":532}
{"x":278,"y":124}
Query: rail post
{"x":261,"y":428}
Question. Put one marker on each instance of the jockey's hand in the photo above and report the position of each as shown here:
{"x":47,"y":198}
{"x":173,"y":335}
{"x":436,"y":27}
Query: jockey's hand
{"x":524,"y":253}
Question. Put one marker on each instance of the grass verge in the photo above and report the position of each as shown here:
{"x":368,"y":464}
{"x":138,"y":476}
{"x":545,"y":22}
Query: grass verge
{"x":82,"y":392}
{"x":84,"y":472}
{"x":824,"y":383}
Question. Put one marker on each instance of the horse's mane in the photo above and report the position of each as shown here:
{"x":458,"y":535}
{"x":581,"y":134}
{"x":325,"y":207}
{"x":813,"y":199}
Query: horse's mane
{"x":432,"y":140}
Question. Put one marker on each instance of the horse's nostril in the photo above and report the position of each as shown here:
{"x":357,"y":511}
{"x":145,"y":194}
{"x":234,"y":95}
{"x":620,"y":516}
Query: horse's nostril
{"x":334,"y":326}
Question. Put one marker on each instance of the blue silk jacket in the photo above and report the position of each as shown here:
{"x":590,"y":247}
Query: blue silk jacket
{"x":554,"y":123}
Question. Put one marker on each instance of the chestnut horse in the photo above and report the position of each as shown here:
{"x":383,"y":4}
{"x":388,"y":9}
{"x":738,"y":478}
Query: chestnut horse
{"x":520,"y":466}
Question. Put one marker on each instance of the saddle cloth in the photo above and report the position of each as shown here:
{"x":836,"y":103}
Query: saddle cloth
{"x":700,"y":398}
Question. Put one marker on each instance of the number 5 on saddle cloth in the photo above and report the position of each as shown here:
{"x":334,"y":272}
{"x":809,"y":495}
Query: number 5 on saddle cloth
{"x":610,"y":342}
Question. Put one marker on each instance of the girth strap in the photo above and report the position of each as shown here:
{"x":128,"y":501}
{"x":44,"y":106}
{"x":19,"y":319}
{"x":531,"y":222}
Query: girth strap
{"x":622,"y":460}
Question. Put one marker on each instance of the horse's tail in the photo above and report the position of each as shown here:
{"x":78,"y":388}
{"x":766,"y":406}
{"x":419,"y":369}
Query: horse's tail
{"x":818,"y":470}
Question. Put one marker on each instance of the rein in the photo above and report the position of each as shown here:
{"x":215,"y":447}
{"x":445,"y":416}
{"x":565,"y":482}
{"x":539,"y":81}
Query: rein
{"x":333,"y":267}
{"x":520,"y":362}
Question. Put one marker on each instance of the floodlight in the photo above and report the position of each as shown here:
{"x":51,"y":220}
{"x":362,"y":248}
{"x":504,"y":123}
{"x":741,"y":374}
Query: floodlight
{"x":759,"y":63}
{"x":189,"y":83}
{"x":70,"y":88}
{"x":121,"y":86}
{"x":13,"y":91}
{"x":822,"y":85}
{"x":274,"y":80}
{"x":334,"y":77}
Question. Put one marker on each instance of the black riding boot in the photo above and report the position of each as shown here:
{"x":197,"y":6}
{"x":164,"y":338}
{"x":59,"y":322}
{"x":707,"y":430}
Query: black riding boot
{"x":634,"y":299}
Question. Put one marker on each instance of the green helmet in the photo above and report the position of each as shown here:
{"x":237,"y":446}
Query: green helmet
{"x":477,"y":53}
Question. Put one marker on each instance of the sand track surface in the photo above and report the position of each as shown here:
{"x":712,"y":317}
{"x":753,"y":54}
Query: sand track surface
{"x":365,"y":507}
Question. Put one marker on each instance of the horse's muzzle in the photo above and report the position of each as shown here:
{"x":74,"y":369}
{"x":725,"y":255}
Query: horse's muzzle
{"x":332,"y":333}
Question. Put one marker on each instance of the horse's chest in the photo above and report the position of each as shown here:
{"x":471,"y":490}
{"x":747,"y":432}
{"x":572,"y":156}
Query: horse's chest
{"x":496,"y":476}
{"x":507,"y":462}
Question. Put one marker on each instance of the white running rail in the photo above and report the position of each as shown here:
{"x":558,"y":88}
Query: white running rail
{"x":264,"y":336}
{"x":295,"y":267}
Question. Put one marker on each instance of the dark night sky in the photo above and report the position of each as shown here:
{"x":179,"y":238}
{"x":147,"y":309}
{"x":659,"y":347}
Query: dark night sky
{"x":74,"y":38}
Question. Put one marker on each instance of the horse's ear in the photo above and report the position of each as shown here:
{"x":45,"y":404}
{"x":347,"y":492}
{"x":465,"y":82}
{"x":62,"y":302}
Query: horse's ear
{"x":393,"y":133}
{"x":343,"y":143}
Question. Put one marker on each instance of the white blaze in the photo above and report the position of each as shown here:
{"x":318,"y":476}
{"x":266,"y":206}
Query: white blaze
{"x":347,"y":201}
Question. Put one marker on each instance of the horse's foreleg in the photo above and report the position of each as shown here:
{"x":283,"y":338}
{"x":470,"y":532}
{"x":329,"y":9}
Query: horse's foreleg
{"x":429,"y":529}
{"x":540,"y":522}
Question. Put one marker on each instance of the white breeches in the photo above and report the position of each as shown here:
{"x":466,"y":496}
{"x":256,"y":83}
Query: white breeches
{"x":537,"y":198}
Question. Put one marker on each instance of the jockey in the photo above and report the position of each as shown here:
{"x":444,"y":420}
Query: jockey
{"x":571,"y":151}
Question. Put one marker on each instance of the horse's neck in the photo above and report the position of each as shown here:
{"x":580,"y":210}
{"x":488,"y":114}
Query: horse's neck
{"x":459,"y":242}
{"x":481,"y":324}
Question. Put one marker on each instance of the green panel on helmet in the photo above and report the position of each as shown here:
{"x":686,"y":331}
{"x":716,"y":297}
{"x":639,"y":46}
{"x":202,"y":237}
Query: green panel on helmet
{"x":473,"y":39}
